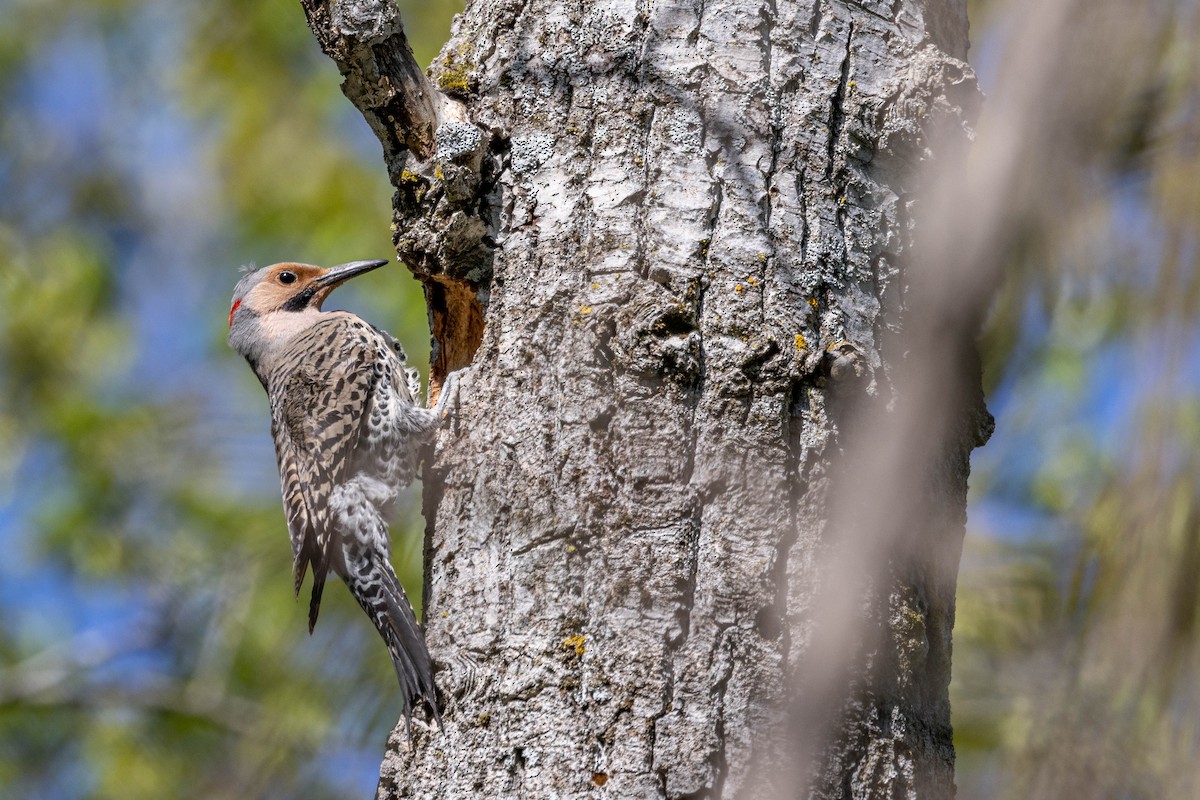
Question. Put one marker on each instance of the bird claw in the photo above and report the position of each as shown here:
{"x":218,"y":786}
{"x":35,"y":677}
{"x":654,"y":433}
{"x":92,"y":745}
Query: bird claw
{"x":447,"y":400}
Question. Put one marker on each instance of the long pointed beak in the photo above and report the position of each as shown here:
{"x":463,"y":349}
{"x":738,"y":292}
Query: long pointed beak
{"x":344,"y":272}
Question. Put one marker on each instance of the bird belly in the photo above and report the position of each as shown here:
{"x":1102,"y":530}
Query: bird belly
{"x":357,"y":512}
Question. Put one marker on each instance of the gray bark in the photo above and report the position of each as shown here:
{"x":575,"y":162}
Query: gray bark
{"x":670,"y":241}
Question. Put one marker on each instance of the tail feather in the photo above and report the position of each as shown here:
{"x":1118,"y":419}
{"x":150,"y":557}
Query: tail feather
{"x":319,"y":572}
{"x":314,"y":602}
{"x":410,"y":656}
{"x":376,"y":588}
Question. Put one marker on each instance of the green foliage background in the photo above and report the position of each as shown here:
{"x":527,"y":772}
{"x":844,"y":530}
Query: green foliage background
{"x":1075,"y":648}
{"x":150,"y":646}
{"x":149,"y":643}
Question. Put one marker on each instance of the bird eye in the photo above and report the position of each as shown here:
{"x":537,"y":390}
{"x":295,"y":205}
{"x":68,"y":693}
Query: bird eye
{"x":287,"y":277}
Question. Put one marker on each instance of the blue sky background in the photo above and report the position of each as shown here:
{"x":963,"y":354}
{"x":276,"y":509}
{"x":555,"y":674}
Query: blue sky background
{"x":97,"y":96}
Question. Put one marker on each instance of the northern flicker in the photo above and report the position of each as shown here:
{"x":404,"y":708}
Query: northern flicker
{"x":348,"y":430}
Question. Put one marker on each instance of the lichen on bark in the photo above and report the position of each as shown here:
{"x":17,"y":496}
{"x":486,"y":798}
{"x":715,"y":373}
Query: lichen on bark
{"x":682,"y":230}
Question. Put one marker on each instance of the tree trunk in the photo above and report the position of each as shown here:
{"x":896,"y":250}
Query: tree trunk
{"x":670,"y":240}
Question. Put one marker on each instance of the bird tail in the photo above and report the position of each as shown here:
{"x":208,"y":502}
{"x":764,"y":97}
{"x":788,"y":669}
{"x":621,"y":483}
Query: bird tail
{"x":374,"y":585}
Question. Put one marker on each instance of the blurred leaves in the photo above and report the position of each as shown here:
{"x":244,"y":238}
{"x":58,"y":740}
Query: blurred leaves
{"x":1076,"y":639}
{"x":277,"y":152}
{"x":150,"y":645}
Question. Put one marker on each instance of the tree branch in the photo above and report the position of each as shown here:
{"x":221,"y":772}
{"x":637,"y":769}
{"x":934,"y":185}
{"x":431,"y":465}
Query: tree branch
{"x":442,"y":210}
{"x":382,"y":77}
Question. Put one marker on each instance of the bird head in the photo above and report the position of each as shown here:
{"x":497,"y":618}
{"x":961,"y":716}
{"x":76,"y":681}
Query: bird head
{"x":274,"y":303}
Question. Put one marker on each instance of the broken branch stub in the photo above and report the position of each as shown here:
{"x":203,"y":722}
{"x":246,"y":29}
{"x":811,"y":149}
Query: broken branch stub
{"x":439,"y":161}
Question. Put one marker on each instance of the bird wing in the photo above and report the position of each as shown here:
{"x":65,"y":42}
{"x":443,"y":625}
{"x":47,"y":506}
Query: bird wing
{"x":317,"y":417}
{"x":410,"y":389}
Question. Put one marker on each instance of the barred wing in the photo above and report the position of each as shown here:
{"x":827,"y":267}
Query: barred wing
{"x":320,"y":400}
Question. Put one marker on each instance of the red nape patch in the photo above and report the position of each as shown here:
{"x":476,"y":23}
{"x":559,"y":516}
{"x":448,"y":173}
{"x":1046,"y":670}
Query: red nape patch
{"x":236,"y":303}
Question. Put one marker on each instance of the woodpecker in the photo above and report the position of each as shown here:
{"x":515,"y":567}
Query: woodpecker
{"x":348,"y":431}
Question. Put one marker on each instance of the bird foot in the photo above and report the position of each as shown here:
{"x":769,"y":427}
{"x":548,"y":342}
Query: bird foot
{"x":446,"y":406}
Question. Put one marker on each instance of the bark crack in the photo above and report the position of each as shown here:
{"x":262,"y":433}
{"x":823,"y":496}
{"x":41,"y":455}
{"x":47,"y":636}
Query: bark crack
{"x":838,"y":116}
{"x":643,"y":231}
{"x":818,"y":16}
{"x":719,"y":758}
{"x":668,"y":694}
{"x":694,"y":35}
{"x":877,"y":15}
{"x":795,"y":412}
{"x":556,"y":535}
{"x":768,"y":16}
{"x":801,"y":192}
{"x":837,"y":112}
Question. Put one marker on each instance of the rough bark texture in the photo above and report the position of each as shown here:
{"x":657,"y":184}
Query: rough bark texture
{"x":670,"y":240}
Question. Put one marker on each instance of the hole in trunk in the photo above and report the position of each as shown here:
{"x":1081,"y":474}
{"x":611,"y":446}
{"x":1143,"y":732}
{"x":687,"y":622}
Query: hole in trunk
{"x":456,"y":322}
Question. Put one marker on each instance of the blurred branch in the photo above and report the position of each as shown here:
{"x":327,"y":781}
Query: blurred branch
{"x":158,"y":694}
{"x":226,"y":627}
{"x":1044,"y":131}
{"x":53,"y":667}
{"x":59,"y":674}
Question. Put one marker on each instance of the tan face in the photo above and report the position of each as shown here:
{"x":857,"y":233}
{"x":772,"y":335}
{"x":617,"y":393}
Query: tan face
{"x":290,"y":287}
{"x":284,"y":281}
